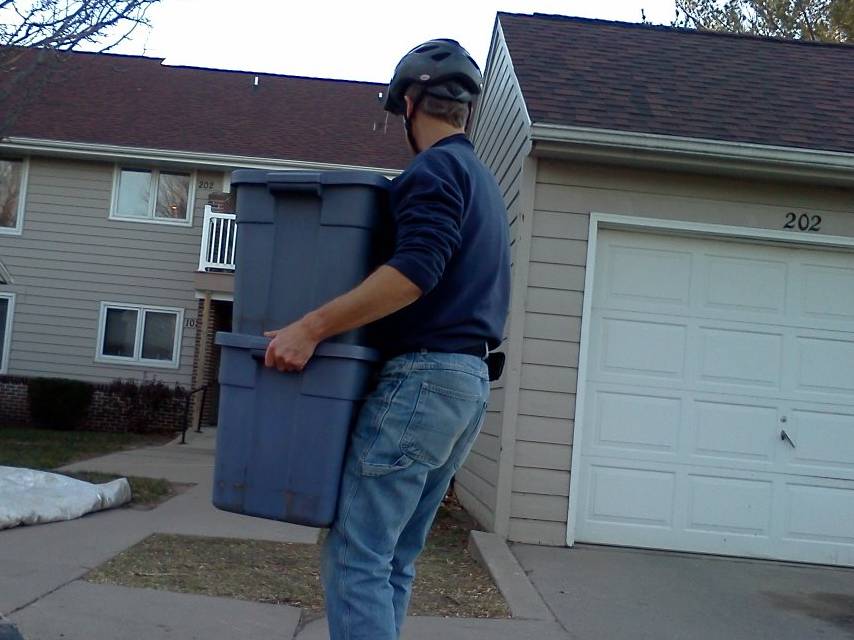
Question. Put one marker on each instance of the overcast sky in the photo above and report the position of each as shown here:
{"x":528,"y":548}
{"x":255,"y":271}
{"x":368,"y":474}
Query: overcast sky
{"x":355,"y":40}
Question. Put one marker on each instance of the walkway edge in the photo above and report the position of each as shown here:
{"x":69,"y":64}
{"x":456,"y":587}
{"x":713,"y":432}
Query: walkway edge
{"x":492,"y":552}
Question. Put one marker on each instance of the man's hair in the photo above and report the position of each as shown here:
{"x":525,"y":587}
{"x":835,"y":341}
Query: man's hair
{"x":454,"y":113}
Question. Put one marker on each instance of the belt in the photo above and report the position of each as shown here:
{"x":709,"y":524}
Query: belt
{"x":481,"y":350}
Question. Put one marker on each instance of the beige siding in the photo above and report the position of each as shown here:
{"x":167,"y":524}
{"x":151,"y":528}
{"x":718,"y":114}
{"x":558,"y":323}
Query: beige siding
{"x":71,"y":257}
{"x":566,"y":194}
{"x":500,"y":136}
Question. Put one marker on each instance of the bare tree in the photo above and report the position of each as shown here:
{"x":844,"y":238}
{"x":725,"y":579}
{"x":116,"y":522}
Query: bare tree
{"x":824,"y":20}
{"x":33,"y":31}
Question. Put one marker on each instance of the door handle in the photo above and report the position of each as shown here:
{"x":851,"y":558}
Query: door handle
{"x":785,"y":437}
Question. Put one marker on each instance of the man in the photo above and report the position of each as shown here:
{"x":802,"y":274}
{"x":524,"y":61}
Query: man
{"x":442,"y":302}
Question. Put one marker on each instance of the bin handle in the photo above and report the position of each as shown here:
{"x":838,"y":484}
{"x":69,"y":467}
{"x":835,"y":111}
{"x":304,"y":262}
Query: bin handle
{"x":260,"y":355}
{"x":296,"y":187}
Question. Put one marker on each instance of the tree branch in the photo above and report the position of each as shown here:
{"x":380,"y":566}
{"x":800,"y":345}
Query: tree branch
{"x":800,"y":5}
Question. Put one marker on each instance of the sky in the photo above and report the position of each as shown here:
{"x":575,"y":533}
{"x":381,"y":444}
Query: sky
{"x":352,"y":40}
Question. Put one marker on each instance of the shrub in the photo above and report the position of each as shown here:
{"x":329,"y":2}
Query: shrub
{"x":141,"y":402}
{"x":57,"y":403}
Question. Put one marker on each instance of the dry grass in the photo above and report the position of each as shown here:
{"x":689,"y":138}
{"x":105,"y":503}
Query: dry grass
{"x":449,"y":581}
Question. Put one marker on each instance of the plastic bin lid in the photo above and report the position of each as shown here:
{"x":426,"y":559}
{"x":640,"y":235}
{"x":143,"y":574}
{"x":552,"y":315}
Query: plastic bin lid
{"x":337,"y":178}
{"x":324,"y":349}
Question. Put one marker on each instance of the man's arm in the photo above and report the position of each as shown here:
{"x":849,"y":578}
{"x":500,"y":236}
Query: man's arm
{"x":382,"y":293}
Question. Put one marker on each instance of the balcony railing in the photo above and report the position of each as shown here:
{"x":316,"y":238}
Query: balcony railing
{"x":219,"y":236}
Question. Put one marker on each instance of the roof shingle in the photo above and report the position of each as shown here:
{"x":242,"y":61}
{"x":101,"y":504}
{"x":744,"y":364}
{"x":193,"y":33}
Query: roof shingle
{"x":680,"y":82}
{"x":139,"y":102}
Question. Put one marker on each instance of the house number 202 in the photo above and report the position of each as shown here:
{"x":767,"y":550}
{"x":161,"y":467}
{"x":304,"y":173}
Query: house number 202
{"x":802,"y":222}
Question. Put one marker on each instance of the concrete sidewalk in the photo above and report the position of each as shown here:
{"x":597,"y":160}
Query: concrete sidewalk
{"x":41,"y":567}
{"x":635,"y":594}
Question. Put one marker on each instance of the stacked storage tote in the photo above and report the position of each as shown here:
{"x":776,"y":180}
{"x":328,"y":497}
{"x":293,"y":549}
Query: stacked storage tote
{"x":303,"y":238}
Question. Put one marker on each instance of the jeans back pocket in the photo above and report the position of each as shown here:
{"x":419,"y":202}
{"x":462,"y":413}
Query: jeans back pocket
{"x":441,"y":417}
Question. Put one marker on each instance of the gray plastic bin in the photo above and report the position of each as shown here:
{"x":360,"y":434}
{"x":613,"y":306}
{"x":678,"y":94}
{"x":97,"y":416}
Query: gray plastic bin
{"x":304,"y":238}
{"x":282,"y":436}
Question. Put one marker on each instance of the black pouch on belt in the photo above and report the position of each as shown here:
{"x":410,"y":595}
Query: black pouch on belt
{"x":495,"y":364}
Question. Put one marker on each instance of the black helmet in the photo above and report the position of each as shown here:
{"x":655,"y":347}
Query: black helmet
{"x":445,"y":69}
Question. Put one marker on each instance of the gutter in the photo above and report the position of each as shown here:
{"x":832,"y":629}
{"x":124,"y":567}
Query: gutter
{"x":221,"y":162}
{"x":686,"y":154}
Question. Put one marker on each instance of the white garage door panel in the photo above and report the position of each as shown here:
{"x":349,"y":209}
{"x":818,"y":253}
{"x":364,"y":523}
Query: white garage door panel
{"x":729,"y":513}
{"x":631,"y":497}
{"x":646,"y":276}
{"x":729,"y":505}
{"x":739,"y":284}
{"x":819,"y":513}
{"x":701,"y":353}
{"x":825,"y":443}
{"x":740,"y":357}
{"x":617,"y":426}
{"x":826,"y":365}
{"x":726,"y":433}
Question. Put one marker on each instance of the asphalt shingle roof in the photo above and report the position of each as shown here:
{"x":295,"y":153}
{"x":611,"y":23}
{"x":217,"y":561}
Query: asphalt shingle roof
{"x":138,"y":101}
{"x":679,"y":82}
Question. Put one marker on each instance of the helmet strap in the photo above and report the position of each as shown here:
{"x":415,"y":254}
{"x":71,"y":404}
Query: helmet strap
{"x":407,"y":122}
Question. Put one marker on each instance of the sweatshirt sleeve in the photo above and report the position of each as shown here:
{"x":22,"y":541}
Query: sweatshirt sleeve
{"x":428,"y":212}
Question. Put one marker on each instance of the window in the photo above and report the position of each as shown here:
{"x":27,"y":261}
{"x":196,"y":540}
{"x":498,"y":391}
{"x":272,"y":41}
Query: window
{"x":7,"y":307}
{"x":12,"y":188}
{"x":132,"y":334}
{"x":151,"y":195}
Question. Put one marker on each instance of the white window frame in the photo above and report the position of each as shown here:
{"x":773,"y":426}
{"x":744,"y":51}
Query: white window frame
{"x":137,"y":360}
{"x":22,"y":197}
{"x":151,"y":219}
{"x":7,"y":340}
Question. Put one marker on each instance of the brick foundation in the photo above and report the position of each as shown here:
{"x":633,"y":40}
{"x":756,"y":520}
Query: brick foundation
{"x":14,"y":405}
{"x":110,"y":410}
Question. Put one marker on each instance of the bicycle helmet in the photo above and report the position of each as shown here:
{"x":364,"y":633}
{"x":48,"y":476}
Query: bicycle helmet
{"x":442,"y":66}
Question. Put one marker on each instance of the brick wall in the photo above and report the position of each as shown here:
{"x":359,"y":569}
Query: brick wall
{"x":14,"y":406}
{"x":220,"y":321}
{"x":112,"y":408}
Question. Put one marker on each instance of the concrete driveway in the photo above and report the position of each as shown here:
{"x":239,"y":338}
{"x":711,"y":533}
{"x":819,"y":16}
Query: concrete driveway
{"x":609,"y":593}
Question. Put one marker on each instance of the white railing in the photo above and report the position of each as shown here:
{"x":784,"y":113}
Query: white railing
{"x":219,"y":237}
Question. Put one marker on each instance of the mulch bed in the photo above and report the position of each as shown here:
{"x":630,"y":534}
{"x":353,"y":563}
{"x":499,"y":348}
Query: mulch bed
{"x":449,"y":581}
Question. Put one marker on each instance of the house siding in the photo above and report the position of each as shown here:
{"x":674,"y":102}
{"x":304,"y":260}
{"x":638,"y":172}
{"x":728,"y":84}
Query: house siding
{"x":566,"y":194}
{"x":500,"y":135}
{"x":71,"y":257}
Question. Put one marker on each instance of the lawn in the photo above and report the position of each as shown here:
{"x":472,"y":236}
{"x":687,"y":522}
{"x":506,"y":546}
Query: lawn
{"x":449,"y":581}
{"x":47,"y":449}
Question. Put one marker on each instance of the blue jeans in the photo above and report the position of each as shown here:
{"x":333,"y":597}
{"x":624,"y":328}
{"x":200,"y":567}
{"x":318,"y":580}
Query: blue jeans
{"x":413,"y":433}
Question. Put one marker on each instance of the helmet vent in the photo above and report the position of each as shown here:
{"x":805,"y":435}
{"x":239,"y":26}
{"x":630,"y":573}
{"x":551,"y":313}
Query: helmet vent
{"x":426,"y":48}
{"x":438,"y":57}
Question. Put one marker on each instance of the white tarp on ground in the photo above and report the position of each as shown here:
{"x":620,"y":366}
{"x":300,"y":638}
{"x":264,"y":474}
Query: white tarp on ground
{"x":31,"y":497}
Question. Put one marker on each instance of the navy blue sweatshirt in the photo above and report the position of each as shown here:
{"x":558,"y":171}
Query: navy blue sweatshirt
{"x":451,"y":240}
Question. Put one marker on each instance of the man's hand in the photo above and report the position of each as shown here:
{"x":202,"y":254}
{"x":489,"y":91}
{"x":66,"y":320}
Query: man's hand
{"x":291,"y":347}
{"x":385,"y":291}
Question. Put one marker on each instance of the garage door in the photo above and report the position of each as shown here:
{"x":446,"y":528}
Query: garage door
{"x":719,"y":408}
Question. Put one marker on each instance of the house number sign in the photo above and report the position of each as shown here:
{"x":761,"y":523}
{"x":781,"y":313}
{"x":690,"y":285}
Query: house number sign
{"x":802,"y":222}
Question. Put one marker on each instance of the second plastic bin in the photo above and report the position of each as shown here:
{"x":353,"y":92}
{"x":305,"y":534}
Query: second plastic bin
{"x":304,"y":238}
{"x":281,"y":437}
